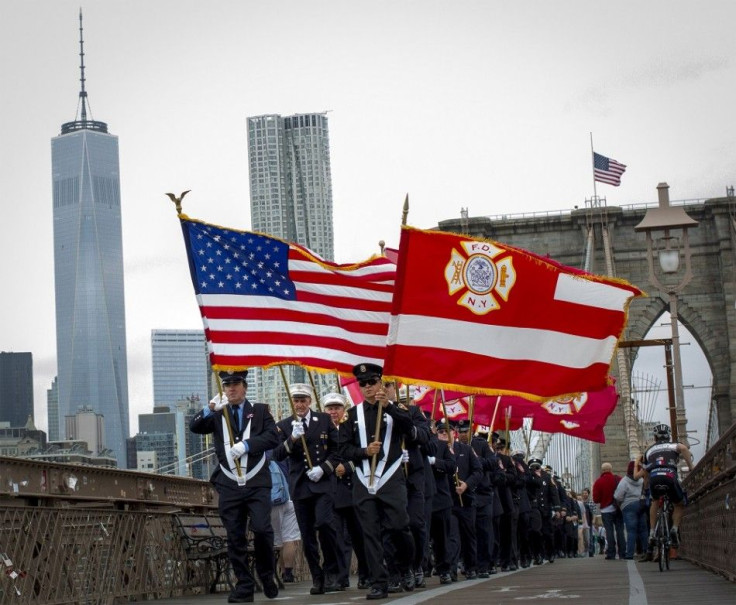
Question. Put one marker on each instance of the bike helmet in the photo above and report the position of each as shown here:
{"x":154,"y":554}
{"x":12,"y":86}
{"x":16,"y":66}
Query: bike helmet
{"x":661,"y":433}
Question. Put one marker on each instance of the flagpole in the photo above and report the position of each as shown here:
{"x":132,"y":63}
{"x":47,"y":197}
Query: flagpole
{"x":227,"y":423}
{"x":397,"y":390}
{"x":314,"y":390}
{"x":434,"y":406}
{"x":337,"y":382}
{"x":471,"y":413}
{"x":451,"y":440}
{"x":293,"y":411}
{"x":592,"y":161}
{"x":508,"y":432}
{"x":493,"y":419}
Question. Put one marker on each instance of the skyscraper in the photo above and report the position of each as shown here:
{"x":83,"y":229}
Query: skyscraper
{"x":181,"y":368}
{"x":16,"y":388}
{"x":88,"y":268}
{"x":290,"y":198}
{"x":290,"y":179}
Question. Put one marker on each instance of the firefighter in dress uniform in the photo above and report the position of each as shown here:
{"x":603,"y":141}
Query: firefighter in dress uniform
{"x":243,"y":432}
{"x":379,"y":495}
{"x":311,"y":484}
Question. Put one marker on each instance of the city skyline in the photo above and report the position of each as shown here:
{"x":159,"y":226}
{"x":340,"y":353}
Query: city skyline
{"x":471,"y":105}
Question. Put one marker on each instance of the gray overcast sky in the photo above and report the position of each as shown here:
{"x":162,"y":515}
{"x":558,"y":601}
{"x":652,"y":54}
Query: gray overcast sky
{"x":486,"y":105}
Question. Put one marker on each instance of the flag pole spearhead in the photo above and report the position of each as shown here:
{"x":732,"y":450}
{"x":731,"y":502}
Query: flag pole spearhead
{"x":177,"y":200}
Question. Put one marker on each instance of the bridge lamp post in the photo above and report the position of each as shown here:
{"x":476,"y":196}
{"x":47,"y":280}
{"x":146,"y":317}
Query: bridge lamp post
{"x":658,"y":224}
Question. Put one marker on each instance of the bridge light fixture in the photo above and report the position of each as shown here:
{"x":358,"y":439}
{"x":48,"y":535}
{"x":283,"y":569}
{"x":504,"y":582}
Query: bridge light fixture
{"x":659,"y":223}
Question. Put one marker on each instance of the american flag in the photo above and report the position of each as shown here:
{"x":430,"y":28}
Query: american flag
{"x":267,"y":302}
{"x":606,"y":170}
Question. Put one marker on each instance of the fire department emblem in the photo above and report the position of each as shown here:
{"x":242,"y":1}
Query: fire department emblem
{"x":566,"y":406}
{"x":481,"y":274}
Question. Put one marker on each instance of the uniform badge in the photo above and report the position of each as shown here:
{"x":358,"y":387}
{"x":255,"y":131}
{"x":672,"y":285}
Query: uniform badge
{"x":479,"y":276}
{"x":565,"y":406}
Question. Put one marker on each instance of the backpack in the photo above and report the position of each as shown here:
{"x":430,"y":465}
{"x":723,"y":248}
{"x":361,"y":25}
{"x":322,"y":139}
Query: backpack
{"x":279,"y":485}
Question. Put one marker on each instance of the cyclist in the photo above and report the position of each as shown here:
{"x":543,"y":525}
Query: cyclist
{"x":660,"y":465}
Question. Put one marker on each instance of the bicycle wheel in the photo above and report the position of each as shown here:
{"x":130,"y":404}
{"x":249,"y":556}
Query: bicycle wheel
{"x":660,"y":558}
{"x":661,"y":539}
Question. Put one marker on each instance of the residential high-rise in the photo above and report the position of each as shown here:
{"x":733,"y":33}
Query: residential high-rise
{"x":88,"y":270}
{"x":290,"y":179}
{"x":290,"y":198}
{"x":181,"y":367}
{"x":16,"y":388}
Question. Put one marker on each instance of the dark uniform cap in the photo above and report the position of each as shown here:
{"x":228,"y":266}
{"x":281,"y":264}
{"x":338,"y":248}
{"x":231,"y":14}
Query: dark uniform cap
{"x":494,"y":436}
{"x":463,"y":426}
{"x":441,"y":425}
{"x":364,"y":371}
{"x":535,"y":463}
{"x":501,"y":442}
{"x":230,"y":376}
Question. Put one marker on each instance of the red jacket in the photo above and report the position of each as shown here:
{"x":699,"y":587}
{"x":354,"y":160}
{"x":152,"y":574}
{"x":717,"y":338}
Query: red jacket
{"x":604,"y":487}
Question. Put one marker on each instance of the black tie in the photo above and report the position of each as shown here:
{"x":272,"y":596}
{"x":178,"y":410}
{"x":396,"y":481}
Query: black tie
{"x":304,"y":424}
{"x":236,"y":425}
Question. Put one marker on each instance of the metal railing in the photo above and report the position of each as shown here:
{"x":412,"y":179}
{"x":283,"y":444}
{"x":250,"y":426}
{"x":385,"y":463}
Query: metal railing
{"x":709,"y":526}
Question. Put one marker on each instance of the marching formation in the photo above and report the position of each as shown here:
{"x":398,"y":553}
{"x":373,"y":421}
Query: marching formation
{"x":407,"y":496}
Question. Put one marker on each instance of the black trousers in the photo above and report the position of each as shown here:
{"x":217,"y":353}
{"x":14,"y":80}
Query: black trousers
{"x":315,"y":516}
{"x":440,"y":533}
{"x":238,"y":505}
{"x":468,"y":550}
{"x":349,"y":528}
{"x":509,"y":545}
{"x":384,"y":513}
{"x":484,"y":535}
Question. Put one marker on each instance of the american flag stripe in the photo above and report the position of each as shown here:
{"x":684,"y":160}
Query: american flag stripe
{"x":264,"y":301}
{"x":348,"y":319}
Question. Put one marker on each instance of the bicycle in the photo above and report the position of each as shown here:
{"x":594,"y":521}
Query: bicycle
{"x":662,"y":533}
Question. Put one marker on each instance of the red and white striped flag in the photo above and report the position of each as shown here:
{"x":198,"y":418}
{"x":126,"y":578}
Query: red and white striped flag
{"x":267,"y":302}
{"x":482,"y":317}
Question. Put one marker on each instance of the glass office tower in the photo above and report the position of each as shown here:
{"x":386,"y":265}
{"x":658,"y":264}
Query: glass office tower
{"x":88,"y":270}
{"x":16,"y":388}
{"x":181,"y":367}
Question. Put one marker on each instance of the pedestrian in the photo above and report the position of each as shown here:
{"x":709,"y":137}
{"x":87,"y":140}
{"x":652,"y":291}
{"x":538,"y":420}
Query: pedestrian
{"x":628,"y":495}
{"x":603,"y":490}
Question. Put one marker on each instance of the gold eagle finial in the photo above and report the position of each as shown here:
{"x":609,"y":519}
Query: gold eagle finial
{"x":177,"y":200}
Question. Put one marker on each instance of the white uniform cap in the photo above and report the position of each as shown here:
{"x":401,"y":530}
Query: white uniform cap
{"x":301,"y":389}
{"x":333,"y":399}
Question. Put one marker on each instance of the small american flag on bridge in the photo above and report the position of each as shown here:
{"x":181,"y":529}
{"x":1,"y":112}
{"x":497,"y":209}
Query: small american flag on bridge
{"x":606,"y":170}
{"x":267,"y":302}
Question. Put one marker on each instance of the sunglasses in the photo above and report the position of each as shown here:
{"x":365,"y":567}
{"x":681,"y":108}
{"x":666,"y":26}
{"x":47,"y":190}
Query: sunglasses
{"x":368,"y":383}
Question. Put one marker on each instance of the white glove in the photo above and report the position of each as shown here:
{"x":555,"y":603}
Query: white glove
{"x":238,"y":449}
{"x":404,"y":456}
{"x":219,"y":401}
{"x":297,"y":429}
{"x":431,"y":460}
{"x":315,"y":474}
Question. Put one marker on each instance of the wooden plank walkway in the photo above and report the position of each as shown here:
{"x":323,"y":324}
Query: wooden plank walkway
{"x":587,"y":580}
